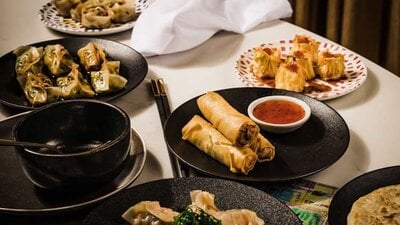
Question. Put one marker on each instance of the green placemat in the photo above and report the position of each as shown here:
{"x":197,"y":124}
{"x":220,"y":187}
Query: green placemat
{"x":309,"y":200}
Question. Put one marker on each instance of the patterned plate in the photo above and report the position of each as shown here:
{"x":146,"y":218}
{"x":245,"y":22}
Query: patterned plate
{"x":355,"y":72}
{"x":49,"y":16}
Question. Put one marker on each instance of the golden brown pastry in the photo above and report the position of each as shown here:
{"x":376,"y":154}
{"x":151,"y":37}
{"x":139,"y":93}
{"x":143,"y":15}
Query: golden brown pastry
{"x":266,"y":62}
{"x":304,"y":60}
{"x":330,"y":66}
{"x":264,"y":149}
{"x":64,"y":7}
{"x":307,"y":44}
{"x":235,"y":126}
{"x":149,"y":212}
{"x":205,"y":137}
{"x":290,"y":76}
{"x":95,"y":15}
{"x":381,"y":206}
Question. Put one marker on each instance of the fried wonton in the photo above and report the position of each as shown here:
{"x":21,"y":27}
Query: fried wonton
{"x":330,"y":66}
{"x":303,"y":59}
{"x":290,"y":76}
{"x":306,"y":44}
{"x":266,"y":62}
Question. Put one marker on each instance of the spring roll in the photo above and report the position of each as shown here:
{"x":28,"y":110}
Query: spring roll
{"x":235,"y":126}
{"x":264,"y":149}
{"x":205,"y":137}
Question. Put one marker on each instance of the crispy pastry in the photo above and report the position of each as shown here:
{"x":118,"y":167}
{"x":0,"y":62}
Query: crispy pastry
{"x":307,"y":44}
{"x":381,"y":206}
{"x":108,"y":80}
{"x":64,"y":6}
{"x":149,"y":212}
{"x":91,"y":56}
{"x":304,"y":60}
{"x":264,"y":149}
{"x":95,"y":15}
{"x":205,"y":137}
{"x":330,"y":66}
{"x":29,"y":59}
{"x":74,"y":85}
{"x":290,"y":76}
{"x":122,"y":11}
{"x":39,"y":89}
{"x":266,"y":62}
{"x":235,"y":126}
{"x":205,"y":201}
{"x":57,"y":59}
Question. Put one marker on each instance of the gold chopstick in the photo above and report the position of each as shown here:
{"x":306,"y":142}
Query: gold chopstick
{"x":161,"y":98}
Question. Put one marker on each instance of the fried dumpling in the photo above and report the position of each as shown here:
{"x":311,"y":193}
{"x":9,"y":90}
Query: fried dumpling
{"x":266,"y":62}
{"x":57,"y":59}
{"x":306,"y":44}
{"x":29,"y":59}
{"x":76,"y":13}
{"x":95,"y":15}
{"x":108,"y":80}
{"x":149,"y":213}
{"x":92,"y":56}
{"x":290,"y":77}
{"x":122,"y":11}
{"x":74,"y":85}
{"x":238,"y":217}
{"x":64,"y":6}
{"x":330,"y":66}
{"x":39,"y":89}
{"x":205,"y":201}
{"x":304,"y":60}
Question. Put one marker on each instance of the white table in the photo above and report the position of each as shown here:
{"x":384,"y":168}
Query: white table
{"x":372,"y":112}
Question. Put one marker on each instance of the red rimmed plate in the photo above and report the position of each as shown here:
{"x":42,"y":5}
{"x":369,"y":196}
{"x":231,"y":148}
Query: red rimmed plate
{"x":355,"y":71}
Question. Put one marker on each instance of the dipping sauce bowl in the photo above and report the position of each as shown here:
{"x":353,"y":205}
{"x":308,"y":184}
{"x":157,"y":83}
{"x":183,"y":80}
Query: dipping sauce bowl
{"x":279,"y":113}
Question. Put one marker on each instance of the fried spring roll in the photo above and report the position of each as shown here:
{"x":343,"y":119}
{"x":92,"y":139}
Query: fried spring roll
{"x":264,"y":149}
{"x":236,"y":127}
{"x":209,"y":140}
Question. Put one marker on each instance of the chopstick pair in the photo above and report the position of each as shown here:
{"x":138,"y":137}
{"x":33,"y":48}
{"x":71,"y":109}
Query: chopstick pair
{"x":161,"y":98}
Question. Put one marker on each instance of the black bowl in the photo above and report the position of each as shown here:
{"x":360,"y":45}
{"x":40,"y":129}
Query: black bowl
{"x":94,"y":140}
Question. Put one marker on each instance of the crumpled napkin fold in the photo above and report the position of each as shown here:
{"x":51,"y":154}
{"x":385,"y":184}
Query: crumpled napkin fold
{"x":169,"y":26}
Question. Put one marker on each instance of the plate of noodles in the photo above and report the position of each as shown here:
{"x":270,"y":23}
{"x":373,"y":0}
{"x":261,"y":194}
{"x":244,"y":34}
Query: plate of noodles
{"x":353,"y":75}
{"x":60,"y":19}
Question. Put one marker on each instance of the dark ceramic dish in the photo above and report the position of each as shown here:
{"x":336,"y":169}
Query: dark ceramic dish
{"x":344,"y":198}
{"x":174,"y":193}
{"x":319,"y":143}
{"x":94,"y":137}
{"x":133,"y":67}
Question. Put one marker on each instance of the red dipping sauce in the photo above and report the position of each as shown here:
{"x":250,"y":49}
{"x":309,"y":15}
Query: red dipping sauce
{"x":279,"y":112}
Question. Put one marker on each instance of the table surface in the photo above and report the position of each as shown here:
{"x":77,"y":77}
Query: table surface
{"x":372,"y":112}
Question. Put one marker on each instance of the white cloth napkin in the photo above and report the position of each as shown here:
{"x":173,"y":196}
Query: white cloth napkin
{"x":169,"y":26}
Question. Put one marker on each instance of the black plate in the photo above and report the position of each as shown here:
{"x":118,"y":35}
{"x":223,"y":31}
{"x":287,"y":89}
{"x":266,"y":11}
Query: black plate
{"x":20,"y":196}
{"x":133,"y":67}
{"x":345,"y":197}
{"x":174,"y":193}
{"x":320,"y":142}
